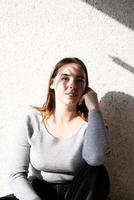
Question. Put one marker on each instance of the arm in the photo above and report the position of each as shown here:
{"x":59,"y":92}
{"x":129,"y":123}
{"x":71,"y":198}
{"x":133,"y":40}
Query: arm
{"x":20,"y":163}
{"x":96,"y":144}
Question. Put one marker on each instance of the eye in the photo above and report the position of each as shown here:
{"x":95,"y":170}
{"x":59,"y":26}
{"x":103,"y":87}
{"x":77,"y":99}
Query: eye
{"x":65,"y":78}
{"x":80,"y":80}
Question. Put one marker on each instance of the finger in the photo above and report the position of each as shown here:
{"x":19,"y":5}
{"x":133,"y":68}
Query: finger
{"x":89,"y":89}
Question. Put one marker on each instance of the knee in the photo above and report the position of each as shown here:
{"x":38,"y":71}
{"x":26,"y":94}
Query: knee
{"x":99,"y":171}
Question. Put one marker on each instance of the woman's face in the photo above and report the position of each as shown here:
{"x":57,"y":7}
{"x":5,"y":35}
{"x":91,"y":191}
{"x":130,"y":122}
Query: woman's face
{"x":69,"y":84}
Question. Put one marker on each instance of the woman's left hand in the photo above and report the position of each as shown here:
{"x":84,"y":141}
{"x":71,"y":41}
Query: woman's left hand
{"x":91,"y":100}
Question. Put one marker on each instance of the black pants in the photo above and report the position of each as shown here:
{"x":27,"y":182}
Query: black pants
{"x":89,"y":183}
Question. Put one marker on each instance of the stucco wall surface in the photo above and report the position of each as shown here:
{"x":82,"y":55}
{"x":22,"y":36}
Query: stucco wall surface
{"x":34,"y":35}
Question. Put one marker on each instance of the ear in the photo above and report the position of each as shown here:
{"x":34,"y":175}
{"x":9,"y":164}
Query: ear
{"x":52,"y":86}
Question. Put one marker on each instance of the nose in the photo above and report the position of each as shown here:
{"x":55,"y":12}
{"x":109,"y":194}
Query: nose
{"x":72,"y":84}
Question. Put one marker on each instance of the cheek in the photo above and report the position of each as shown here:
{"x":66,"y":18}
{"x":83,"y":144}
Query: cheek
{"x":60,"y":85}
{"x":82,"y":87}
{"x":82,"y":91}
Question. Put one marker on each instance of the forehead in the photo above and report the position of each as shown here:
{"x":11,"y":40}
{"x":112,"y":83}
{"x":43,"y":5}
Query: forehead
{"x":72,"y":69}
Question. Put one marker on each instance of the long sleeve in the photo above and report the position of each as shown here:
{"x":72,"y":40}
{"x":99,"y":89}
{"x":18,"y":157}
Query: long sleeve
{"x":96,"y":145}
{"x":19,"y":163}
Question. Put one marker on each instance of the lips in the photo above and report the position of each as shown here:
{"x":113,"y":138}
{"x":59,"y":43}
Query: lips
{"x":72,"y":94}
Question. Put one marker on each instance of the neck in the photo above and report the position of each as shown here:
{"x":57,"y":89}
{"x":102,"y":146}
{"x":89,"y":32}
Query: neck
{"x":64,"y":114}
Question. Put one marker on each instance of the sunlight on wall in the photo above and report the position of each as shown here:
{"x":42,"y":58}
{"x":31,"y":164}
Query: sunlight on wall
{"x":34,"y":35}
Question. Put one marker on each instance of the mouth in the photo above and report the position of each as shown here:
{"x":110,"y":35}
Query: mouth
{"x":72,"y":94}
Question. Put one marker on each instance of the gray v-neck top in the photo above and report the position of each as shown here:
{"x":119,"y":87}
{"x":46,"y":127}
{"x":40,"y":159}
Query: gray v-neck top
{"x":54,"y":159}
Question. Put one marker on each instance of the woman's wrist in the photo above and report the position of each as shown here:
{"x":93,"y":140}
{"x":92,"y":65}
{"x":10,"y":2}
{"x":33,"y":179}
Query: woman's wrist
{"x":93,"y":107}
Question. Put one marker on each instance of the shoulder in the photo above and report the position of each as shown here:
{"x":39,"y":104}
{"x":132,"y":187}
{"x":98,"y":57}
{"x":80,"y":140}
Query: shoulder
{"x":83,"y":125}
{"x":32,"y":113}
{"x":30,"y":117}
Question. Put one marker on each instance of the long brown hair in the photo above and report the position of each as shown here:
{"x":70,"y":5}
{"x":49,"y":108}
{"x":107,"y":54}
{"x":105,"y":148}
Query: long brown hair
{"x":49,"y":105}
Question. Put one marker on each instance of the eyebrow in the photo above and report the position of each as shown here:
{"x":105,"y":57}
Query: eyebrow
{"x":79,"y":76}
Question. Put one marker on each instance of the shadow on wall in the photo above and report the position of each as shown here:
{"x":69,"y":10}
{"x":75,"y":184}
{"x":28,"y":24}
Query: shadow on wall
{"x":123,"y":64}
{"x":122,"y":11}
{"x":118,"y":110}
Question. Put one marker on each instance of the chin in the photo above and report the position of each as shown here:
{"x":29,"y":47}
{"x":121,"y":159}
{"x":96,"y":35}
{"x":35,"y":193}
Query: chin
{"x":72,"y":103}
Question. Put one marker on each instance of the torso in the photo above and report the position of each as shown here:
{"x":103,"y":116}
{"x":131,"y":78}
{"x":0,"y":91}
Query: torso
{"x":53,"y":156}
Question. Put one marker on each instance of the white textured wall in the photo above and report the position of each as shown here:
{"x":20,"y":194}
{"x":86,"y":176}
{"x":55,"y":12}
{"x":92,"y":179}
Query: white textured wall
{"x":34,"y":35}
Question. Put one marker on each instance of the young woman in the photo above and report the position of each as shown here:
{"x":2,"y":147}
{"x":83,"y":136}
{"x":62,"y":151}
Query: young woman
{"x":65,"y":142}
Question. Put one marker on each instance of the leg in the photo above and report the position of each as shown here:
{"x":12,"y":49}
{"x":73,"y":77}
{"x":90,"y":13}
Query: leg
{"x":44,"y":189}
{"x":89,"y":183}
